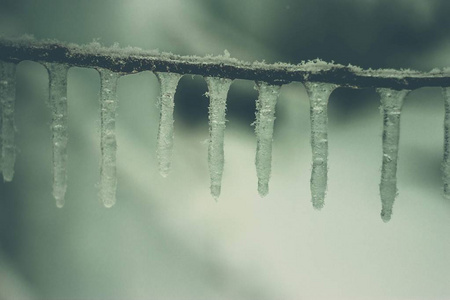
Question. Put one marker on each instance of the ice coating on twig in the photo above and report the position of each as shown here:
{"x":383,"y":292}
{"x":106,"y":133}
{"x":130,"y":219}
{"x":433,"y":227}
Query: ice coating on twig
{"x":265,"y":118}
{"x":108,"y":106}
{"x":58,"y":105}
{"x":168,"y":84}
{"x":319,"y":94}
{"x":446,"y":160}
{"x":391,"y":106}
{"x":7,"y":101}
{"x":217,"y":92}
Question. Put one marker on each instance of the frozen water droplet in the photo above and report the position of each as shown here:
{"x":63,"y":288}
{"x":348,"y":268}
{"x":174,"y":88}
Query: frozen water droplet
{"x":318,"y":96}
{"x":7,"y":102}
{"x":391,"y":106}
{"x":58,"y":105}
{"x":168,"y":83}
{"x":217,"y":93}
{"x":108,"y":106}
{"x":265,"y":118}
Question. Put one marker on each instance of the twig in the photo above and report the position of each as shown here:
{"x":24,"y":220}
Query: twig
{"x":132,"y":60}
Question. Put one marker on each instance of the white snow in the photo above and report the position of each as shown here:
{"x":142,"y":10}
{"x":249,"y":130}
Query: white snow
{"x":108,"y":105}
{"x":265,"y":118}
{"x":168,"y":83}
{"x":446,"y":160}
{"x":58,"y":105}
{"x":217,"y":92}
{"x":391,"y":106}
{"x":318,"y":96}
{"x":7,"y":101}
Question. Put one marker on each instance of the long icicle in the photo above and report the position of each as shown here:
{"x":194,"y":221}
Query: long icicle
{"x":391,"y":105}
{"x":217,"y":91}
{"x":108,"y":106}
{"x":446,"y":160}
{"x":58,"y":105}
{"x":265,"y":118}
{"x":7,"y":101}
{"x":168,"y":83}
{"x":319,"y":94}
{"x":1,"y":142}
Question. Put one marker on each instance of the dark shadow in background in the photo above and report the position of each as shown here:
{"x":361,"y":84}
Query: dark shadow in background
{"x":371,"y":34}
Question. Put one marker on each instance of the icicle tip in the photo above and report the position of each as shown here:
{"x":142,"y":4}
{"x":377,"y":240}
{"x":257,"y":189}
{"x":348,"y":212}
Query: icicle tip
{"x":386,"y":215}
{"x":215,"y":191}
{"x":263,"y":189}
{"x":60,"y":199}
{"x":108,"y":204}
{"x":318,"y":204}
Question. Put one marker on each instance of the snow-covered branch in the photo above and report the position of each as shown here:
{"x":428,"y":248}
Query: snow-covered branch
{"x":132,"y":60}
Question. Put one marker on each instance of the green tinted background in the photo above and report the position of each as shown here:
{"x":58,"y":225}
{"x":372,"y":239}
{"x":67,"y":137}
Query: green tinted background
{"x":166,"y":238}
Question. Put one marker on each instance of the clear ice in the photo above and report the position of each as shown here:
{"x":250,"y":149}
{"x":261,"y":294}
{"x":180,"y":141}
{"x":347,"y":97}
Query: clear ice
{"x":319,"y":94}
{"x":108,"y":106}
{"x":391,"y":106}
{"x":7,"y":102}
{"x":446,"y":160}
{"x":265,"y":118}
{"x":168,"y":83}
{"x":58,"y":105}
{"x":217,"y":91}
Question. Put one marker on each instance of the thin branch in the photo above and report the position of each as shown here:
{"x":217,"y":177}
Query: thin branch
{"x":133,"y":60}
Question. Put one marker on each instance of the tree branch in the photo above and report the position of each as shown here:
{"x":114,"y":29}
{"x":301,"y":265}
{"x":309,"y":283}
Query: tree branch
{"x":133,"y":60}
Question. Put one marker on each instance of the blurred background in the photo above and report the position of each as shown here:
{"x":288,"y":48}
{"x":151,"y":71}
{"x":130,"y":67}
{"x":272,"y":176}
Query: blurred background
{"x":166,"y":238}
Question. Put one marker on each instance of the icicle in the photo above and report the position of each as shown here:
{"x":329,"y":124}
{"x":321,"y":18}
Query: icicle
{"x":391,"y":105}
{"x":218,"y":90}
{"x":58,"y":105}
{"x":7,"y":101}
{"x":168,"y":83}
{"x":108,"y":105}
{"x":1,"y":160}
{"x":265,"y":118}
{"x":318,"y":96}
{"x":446,"y":160}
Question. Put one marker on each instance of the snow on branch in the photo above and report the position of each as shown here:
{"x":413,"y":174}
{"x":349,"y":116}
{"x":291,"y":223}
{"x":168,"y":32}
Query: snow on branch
{"x":132,"y":60}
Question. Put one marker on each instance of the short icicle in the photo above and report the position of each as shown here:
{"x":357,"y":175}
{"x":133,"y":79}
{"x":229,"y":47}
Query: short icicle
{"x":265,"y":118}
{"x":319,"y":94}
{"x":58,"y":105}
{"x":217,"y":91}
{"x":391,"y":106}
{"x":446,"y":160}
{"x":7,"y":102}
{"x":168,"y":84}
{"x":108,"y":106}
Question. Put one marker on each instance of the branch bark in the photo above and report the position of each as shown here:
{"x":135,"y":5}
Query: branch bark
{"x":132,"y":60}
